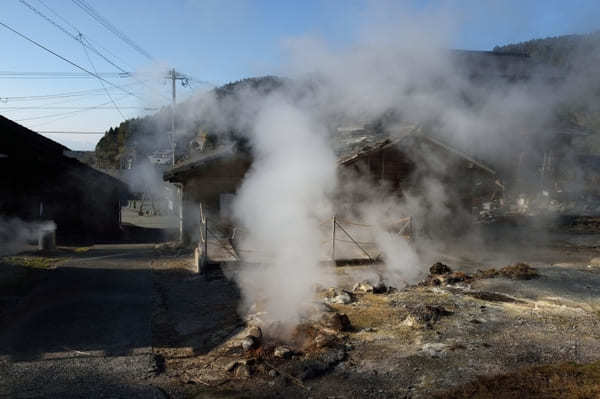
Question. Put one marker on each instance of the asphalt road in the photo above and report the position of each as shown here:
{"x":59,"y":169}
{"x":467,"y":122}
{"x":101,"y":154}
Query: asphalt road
{"x":84,"y":331}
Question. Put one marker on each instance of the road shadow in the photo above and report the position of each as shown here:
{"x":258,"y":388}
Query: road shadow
{"x":112,"y":311}
{"x":195,"y":311}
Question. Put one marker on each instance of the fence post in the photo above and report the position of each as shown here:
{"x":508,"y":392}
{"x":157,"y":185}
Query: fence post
{"x":205,"y":250}
{"x":200,"y":260}
{"x":333,"y":241}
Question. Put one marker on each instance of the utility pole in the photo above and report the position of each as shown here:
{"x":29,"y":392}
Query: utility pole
{"x":175,"y":76}
{"x":173,"y":104}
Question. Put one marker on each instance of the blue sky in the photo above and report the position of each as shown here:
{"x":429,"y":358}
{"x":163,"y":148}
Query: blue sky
{"x":222,"y":41}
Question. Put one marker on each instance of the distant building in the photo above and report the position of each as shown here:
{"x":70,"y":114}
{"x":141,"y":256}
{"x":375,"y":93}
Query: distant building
{"x":38,"y":182}
{"x":163,"y":157}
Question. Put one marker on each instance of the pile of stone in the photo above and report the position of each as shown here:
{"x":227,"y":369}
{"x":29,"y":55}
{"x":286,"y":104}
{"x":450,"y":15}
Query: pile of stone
{"x":441,"y":274}
{"x":365,"y":287}
{"x":318,"y":339}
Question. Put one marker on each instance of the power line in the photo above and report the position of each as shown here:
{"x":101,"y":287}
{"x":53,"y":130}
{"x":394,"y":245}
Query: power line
{"x":77,"y":37}
{"x":104,"y":22}
{"x":65,"y":59}
{"x":53,"y":75}
{"x":67,"y":94}
{"x":64,"y":113}
{"x":77,"y":107}
{"x":66,"y":132}
{"x":102,"y":84}
{"x":58,"y":15}
{"x":84,"y":40}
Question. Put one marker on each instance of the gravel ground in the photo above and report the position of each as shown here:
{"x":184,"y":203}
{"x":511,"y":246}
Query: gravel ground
{"x":84,"y":330}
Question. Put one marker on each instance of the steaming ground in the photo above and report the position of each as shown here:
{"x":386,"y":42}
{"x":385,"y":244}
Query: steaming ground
{"x":547,"y":320}
{"x":393,"y":73}
{"x":124,"y":320}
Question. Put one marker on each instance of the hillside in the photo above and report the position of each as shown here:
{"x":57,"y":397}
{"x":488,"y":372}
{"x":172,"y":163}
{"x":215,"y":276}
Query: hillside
{"x":223,"y":114}
{"x":195,"y":117}
{"x":567,"y":51}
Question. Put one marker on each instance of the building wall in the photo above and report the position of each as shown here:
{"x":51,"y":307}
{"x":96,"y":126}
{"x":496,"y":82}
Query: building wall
{"x":205,"y":189}
{"x":84,"y":206}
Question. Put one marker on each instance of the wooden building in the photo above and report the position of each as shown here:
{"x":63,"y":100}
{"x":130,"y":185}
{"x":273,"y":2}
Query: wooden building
{"x":403,"y":163}
{"x":38,"y":182}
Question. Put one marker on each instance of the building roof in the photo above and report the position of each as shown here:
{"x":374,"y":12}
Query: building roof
{"x":20,"y":142}
{"x":189,"y":166}
{"x":349,"y":144}
{"x":408,"y":134}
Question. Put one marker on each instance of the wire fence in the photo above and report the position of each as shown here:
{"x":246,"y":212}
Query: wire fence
{"x":348,"y":239}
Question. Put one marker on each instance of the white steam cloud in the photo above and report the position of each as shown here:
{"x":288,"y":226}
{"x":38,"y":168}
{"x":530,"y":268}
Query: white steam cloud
{"x":16,"y":234}
{"x":399,"y":64}
{"x":281,"y":204}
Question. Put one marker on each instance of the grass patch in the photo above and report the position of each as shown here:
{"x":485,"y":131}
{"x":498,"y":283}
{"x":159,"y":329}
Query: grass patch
{"x":564,"y":380}
{"x":37,"y":262}
{"x":374,"y":311}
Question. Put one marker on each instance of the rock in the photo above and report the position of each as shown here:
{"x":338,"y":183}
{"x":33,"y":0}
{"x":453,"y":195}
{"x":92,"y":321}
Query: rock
{"x":436,"y":349}
{"x":243,"y":371}
{"x":282,"y":352}
{"x":336,"y":321}
{"x":273,"y":373}
{"x":249,"y":343}
{"x":254,"y":331}
{"x":380,"y":288}
{"x":439,"y":268}
{"x":236,"y":363}
{"x":343,"y":298}
{"x":323,"y":340}
{"x":231,"y":365}
{"x":594,"y":262}
{"x":363,"y":287}
{"x":458,"y":277}
{"x":424,"y":315}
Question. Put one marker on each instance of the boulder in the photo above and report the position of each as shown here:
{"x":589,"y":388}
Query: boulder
{"x":254,"y":331}
{"x":282,"y":352}
{"x":439,"y":268}
{"x":336,"y":321}
{"x":249,"y":343}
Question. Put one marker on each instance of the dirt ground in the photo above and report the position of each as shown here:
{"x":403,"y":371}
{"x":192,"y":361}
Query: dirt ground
{"x":178,"y":334}
{"x":488,"y":327}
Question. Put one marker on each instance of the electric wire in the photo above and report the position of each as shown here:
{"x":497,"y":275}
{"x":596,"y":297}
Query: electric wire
{"x":67,"y":94}
{"x":77,"y":107}
{"x":58,"y":75}
{"x":104,"y":22}
{"x":83,"y":39}
{"x":64,"y":113}
{"x":77,"y":37}
{"x":67,"y":132}
{"x":101,"y":83}
{"x":65,"y":59}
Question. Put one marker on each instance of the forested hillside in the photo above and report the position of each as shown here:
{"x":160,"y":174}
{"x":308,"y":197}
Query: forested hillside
{"x":151,"y":133}
{"x":561,"y":51}
{"x":570,"y":55}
